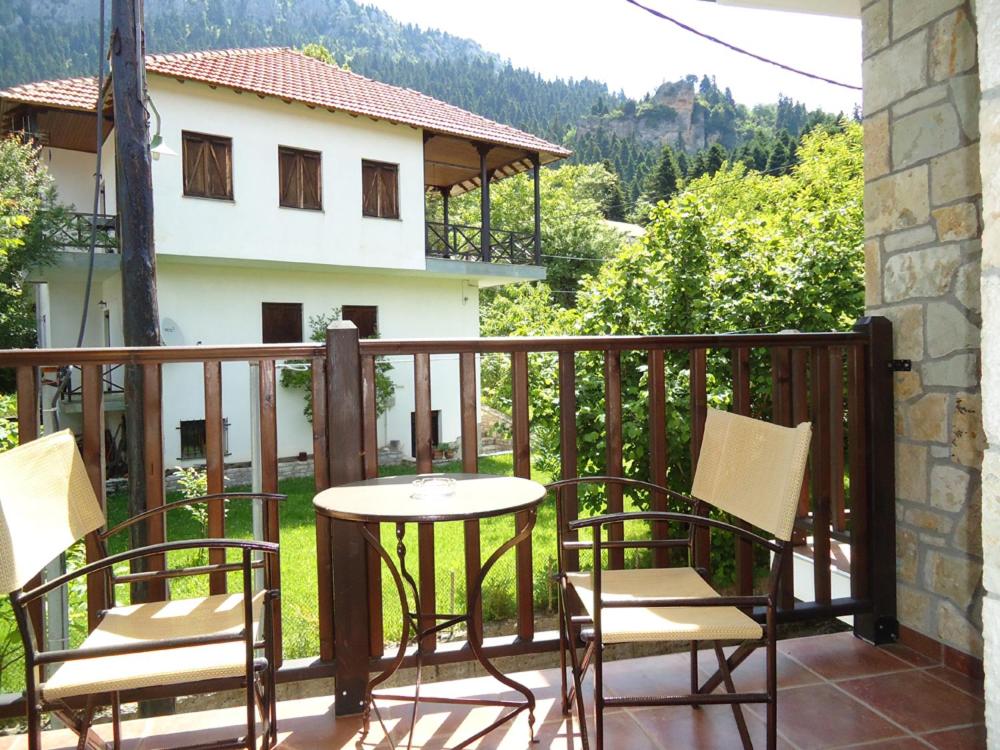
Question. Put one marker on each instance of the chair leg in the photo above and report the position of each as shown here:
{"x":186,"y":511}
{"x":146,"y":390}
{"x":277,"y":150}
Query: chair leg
{"x":563,"y":643}
{"x":694,"y":672}
{"x":599,"y":694}
{"x":116,"y":721}
{"x":727,"y":678}
{"x":772,"y":682}
{"x":34,"y":725}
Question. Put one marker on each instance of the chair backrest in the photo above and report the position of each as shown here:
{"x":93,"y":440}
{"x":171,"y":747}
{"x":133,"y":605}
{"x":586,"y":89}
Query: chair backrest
{"x":46,"y":504}
{"x":753,"y":469}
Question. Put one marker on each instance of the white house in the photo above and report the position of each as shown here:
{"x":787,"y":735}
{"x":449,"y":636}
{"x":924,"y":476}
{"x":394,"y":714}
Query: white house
{"x":294,"y":187}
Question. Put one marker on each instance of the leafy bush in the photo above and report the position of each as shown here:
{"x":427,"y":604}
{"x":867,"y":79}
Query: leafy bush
{"x":301,"y":377}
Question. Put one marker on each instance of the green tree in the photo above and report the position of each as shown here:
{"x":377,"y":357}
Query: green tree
{"x":321,"y":53}
{"x":575,"y":236}
{"x":28,"y":209}
{"x":731,"y":252}
{"x":665,"y":180}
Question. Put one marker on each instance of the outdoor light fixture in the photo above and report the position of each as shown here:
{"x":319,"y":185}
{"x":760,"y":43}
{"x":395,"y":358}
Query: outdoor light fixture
{"x":157,"y":147}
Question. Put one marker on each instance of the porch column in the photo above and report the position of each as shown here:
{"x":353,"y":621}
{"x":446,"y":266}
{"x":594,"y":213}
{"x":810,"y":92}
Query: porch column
{"x":484,"y":196}
{"x":448,"y":245}
{"x":536,"y":164}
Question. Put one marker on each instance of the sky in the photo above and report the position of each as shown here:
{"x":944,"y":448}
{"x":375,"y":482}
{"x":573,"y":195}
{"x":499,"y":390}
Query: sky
{"x":614,"y":42}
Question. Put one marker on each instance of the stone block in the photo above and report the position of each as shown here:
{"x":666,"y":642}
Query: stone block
{"x":967,"y":439}
{"x":956,"y":222}
{"x":955,"y":629}
{"x":877,"y":146}
{"x":955,"y":175}
{"x":873,"y":273}
{"x":908,"y":15}
{"x":920,"y":273}
{"x":949,"y":330}
{"x":953,"y":46}
{"x":874,"y":28}
{"x":909,"y":238}
{"x":949,"y":488}
{"x":953,"y":576}
{"x":956,"y":371}
{"x":967,"y":286}
{"x":927,"y":520}
{"x":911,"y":472}
{"x":929,"y":132}
{"x":927,"y":418}
{"x":899,"y":201}
{"x":919,"y":100}
{"x":894,"y":73}
{"x":968,"y":536}
{"x":906,"y":385}
{"x":908,"y":331}
{"x":965,"y":96}
{"x":913,"y":607}
{"x":991,"y":358}
{"x":907,"y":555}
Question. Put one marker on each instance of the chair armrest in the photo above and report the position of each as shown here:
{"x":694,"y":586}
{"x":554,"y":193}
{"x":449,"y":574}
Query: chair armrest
{"x":140,"y":552}
{"x":686,"y":518}
{"x":266,"y":496}
{"x":638,"y":483}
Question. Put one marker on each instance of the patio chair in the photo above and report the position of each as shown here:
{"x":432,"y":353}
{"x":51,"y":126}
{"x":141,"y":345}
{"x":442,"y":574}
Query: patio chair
{"x":749,"y":469}
{"x":47,"y":504}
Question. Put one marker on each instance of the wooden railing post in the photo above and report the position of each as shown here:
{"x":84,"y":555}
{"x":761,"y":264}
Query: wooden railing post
{"x":349,"y":559}
{"x":880,"y":625}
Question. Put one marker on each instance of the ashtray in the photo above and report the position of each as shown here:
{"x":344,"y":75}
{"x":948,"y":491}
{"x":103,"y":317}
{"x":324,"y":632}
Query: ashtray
{"x":433,"y":485}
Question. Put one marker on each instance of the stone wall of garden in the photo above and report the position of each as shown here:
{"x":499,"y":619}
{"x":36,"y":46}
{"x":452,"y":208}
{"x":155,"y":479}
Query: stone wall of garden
{"x":923,"y":228}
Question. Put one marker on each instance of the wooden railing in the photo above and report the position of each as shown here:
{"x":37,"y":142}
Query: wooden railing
{"x":461,"y":242}
{"x":842,"y":382}
{"x":75,"y":229}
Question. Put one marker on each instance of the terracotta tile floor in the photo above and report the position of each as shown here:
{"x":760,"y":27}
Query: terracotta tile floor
{"x":835,"y":692}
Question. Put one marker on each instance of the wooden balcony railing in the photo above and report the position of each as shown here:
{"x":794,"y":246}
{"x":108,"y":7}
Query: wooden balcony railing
{"x":74,"y":232}
{"x":461,"y":242}
{"x":842,"y":382}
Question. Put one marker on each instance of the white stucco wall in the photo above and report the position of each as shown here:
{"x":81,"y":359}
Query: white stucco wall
{"x":221,"y":304}
{"x":73,"y":172}
{"x":252,"y":225}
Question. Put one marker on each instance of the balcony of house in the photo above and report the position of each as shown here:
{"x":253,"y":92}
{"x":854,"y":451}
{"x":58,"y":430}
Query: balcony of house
{"x":454,"y":166}
{"x":341,"y":621}
{"x":76,"y":231}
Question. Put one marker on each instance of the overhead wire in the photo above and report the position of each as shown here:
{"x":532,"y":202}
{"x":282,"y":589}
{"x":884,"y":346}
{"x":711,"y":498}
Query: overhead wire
{"x":740,"y":50}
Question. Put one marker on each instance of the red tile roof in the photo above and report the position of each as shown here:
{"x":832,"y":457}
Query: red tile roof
{"x":289,"y":75}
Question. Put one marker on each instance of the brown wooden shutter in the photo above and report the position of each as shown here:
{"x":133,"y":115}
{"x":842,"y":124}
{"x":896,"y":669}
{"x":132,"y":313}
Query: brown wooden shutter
{"x":194,"y":165}
{"x":365,"y":317}
{"x":281,"y":322}
{"x":288,"y":195}
{"x":369,"y":189}
{"x":311,"y":185}
{"x":219,"y":169}
{"x":390,"y":192}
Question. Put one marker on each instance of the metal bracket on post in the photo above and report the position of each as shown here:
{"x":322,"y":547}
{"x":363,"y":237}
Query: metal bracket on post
{"x":901,"y":365}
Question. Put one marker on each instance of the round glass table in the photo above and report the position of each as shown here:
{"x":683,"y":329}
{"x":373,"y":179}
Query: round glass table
{"x":432,"y":499}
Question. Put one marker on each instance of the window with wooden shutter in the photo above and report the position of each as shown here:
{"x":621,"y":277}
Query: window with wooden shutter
{"x":208,"y":165}
{"x":380,"y":190}
{"x":365,"y":317}
{"x":281,"y":322}
{"x":299,"y":178}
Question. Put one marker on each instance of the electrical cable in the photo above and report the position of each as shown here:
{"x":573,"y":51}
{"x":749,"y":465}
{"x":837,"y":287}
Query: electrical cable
{"x":740,"y":50}
{"x":63,"y":379}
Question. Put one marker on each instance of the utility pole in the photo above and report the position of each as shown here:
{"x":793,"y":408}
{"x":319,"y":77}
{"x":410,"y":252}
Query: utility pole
{"x":134,"y":190}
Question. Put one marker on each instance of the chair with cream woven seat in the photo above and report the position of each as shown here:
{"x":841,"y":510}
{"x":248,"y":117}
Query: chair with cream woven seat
{"x":749,"y":469}
{"x":47,"y":504}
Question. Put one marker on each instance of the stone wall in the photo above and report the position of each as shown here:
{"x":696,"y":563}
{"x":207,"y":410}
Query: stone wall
{"x":989,"y":119}
{"x":923,"y":249}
